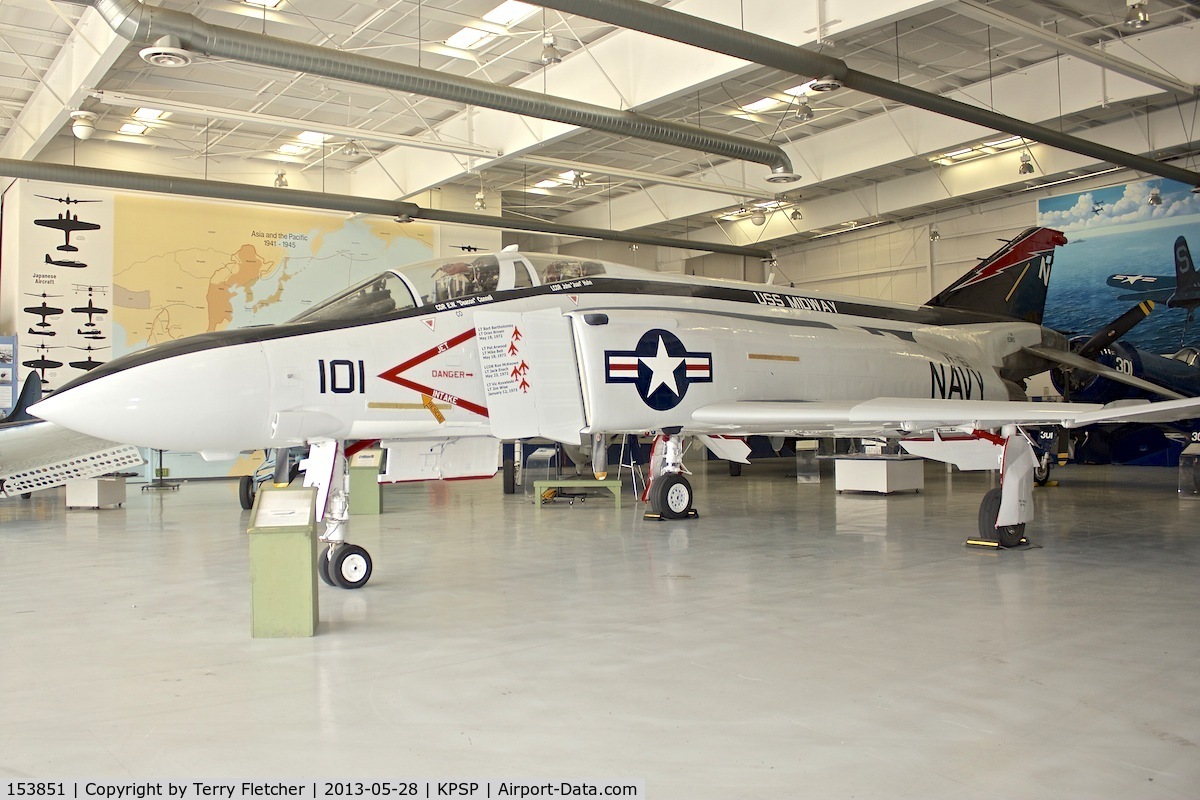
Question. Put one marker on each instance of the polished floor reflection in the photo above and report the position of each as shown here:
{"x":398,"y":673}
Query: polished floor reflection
{"x":791,"y":642}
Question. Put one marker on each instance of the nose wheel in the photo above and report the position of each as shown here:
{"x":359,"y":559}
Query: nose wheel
{"x":346,"y":566}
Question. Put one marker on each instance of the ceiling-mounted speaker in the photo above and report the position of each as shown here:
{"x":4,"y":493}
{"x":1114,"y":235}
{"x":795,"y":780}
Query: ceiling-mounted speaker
{"x":826,"y":83}
{"x":166,"y":52}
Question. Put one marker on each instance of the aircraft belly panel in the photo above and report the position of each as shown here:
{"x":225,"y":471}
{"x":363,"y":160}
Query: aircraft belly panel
{"x":641,"y":374}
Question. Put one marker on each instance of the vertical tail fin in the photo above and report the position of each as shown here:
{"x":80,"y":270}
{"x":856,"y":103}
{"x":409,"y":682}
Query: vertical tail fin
{"x":1011,"y":281}
{"x":1187,"y":282}
{"x":31,"y":392}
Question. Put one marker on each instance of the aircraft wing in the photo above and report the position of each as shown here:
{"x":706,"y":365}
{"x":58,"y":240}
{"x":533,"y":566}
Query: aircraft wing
{"x":41,"y":455}
{"x":1141,"y":283}
{"x":895,"y":415}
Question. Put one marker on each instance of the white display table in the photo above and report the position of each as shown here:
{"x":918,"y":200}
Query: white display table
{"x":882,"y":473}
{"x":96,"y":492}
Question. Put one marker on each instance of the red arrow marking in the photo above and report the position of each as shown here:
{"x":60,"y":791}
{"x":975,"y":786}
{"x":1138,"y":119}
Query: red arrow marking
{"x":512,"y":350}
{"x":393,"y":374}
{"x":516,"y":335}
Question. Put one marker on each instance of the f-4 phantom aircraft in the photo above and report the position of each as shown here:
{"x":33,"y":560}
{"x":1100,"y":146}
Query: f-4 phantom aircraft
{"x":444,"y":359}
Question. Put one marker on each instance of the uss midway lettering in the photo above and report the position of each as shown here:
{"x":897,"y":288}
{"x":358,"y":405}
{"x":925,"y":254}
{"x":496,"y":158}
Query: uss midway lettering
{"x":793,"y":301}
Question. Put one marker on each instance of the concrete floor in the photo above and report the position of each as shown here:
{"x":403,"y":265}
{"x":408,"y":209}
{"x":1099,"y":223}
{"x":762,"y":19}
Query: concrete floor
{"x":792,"y":642}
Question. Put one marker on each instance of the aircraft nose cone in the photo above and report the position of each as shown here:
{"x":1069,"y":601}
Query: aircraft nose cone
{"x":181,"y":396}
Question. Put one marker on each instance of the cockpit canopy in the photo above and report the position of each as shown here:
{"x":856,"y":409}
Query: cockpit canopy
{"x":445,"y":280}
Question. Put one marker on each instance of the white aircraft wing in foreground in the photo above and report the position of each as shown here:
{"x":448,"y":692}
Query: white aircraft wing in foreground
{"x":443,"y":360}
{"x":35,"y":454}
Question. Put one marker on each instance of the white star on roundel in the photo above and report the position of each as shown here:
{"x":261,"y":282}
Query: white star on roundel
{"x":662,"y":369}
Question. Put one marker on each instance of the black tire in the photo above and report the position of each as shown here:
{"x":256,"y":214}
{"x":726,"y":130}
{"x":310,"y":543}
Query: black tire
{"x":246,"y":491}
{"x":735,"y":469}
{"x":26,"y":495}
{"x":323,"y":562}
{"x":671,"y":496}
{"x":989,"y":509}
{"x":1041,"y":473}
{"x":351,"y":567}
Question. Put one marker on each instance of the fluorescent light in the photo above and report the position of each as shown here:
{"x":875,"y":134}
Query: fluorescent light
{"x":957,"y":153}
{"x":313,"y":138}
{"x":148,"y":113}
{"x":761,"y":105}
{"x":263,"y":3}
{"x":132,"y":129}
{"x":292,"y":149}
{"x":1011,"y":141}
{"x":549,"y":183}
{"x":470,"y":39}
{"x":510,"y":13}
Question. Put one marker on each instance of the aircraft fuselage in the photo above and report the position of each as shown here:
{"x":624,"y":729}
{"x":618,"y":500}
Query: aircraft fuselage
{"x":635,"y":355}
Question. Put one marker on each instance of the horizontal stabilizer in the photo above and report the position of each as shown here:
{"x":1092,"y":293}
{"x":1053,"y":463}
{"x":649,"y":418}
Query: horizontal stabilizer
{"x":1075,"y":361}
{"x":1157,"y":295}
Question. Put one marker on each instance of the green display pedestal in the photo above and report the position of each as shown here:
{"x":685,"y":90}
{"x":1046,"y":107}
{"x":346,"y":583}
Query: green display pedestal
{"x":365,"y":493}
{"x":283,"y":557}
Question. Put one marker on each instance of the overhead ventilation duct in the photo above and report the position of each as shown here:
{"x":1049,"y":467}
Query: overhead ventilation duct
{"x":399,"y":210}
{"x":144,"y":24}
{"x":679,"y":27}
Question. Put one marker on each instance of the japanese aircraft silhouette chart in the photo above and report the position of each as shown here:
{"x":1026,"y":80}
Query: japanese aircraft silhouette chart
{"x":67,"y":223}
{"x":44,"y":310}
{"x":68,"y":200}
{"x":443,"y":360}
{"x":88,"y":363}
{"x":91,"y":310}
{"x":68,"y":263}
{"x":41,"y":363}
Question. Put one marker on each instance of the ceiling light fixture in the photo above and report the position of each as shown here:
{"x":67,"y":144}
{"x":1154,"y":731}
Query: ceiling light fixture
{"x":271,"y":4}
{"x":759,"y":217}
{"x":1136,"y":16}
{"x":1026,"y":167}
{"x":796,"y":215}
{"x":280,"y":179}
{"x":1155,"y":198}
{"x":350,"y":149}
{"x":83,"y":124}
{"x":149,"y":114}
{"x":509,"y":13}
{"x":934,"y":234}
{"x":577,"y":180}
{"x":132,"y":129}
{"x":470,"y":39}
{"x":804,"y":111}
{"x":551,"y":55}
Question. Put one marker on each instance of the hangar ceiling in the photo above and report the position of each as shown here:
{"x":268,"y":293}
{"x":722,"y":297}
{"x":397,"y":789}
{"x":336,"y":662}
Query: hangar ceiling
{"x":1072,"y":66}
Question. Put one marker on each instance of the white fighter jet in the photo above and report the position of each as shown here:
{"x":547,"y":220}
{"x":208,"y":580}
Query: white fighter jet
{"x":445,"y":359}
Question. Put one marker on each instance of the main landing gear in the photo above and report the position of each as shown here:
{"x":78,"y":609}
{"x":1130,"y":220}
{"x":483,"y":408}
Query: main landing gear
{"x":669,"y":493}
{"x":1006,"y":535}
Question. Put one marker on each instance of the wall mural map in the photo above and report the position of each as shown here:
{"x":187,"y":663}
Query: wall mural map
{"x":1121,"y":237}
{"x":182,"y":267}
{"x":106,"y":273}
